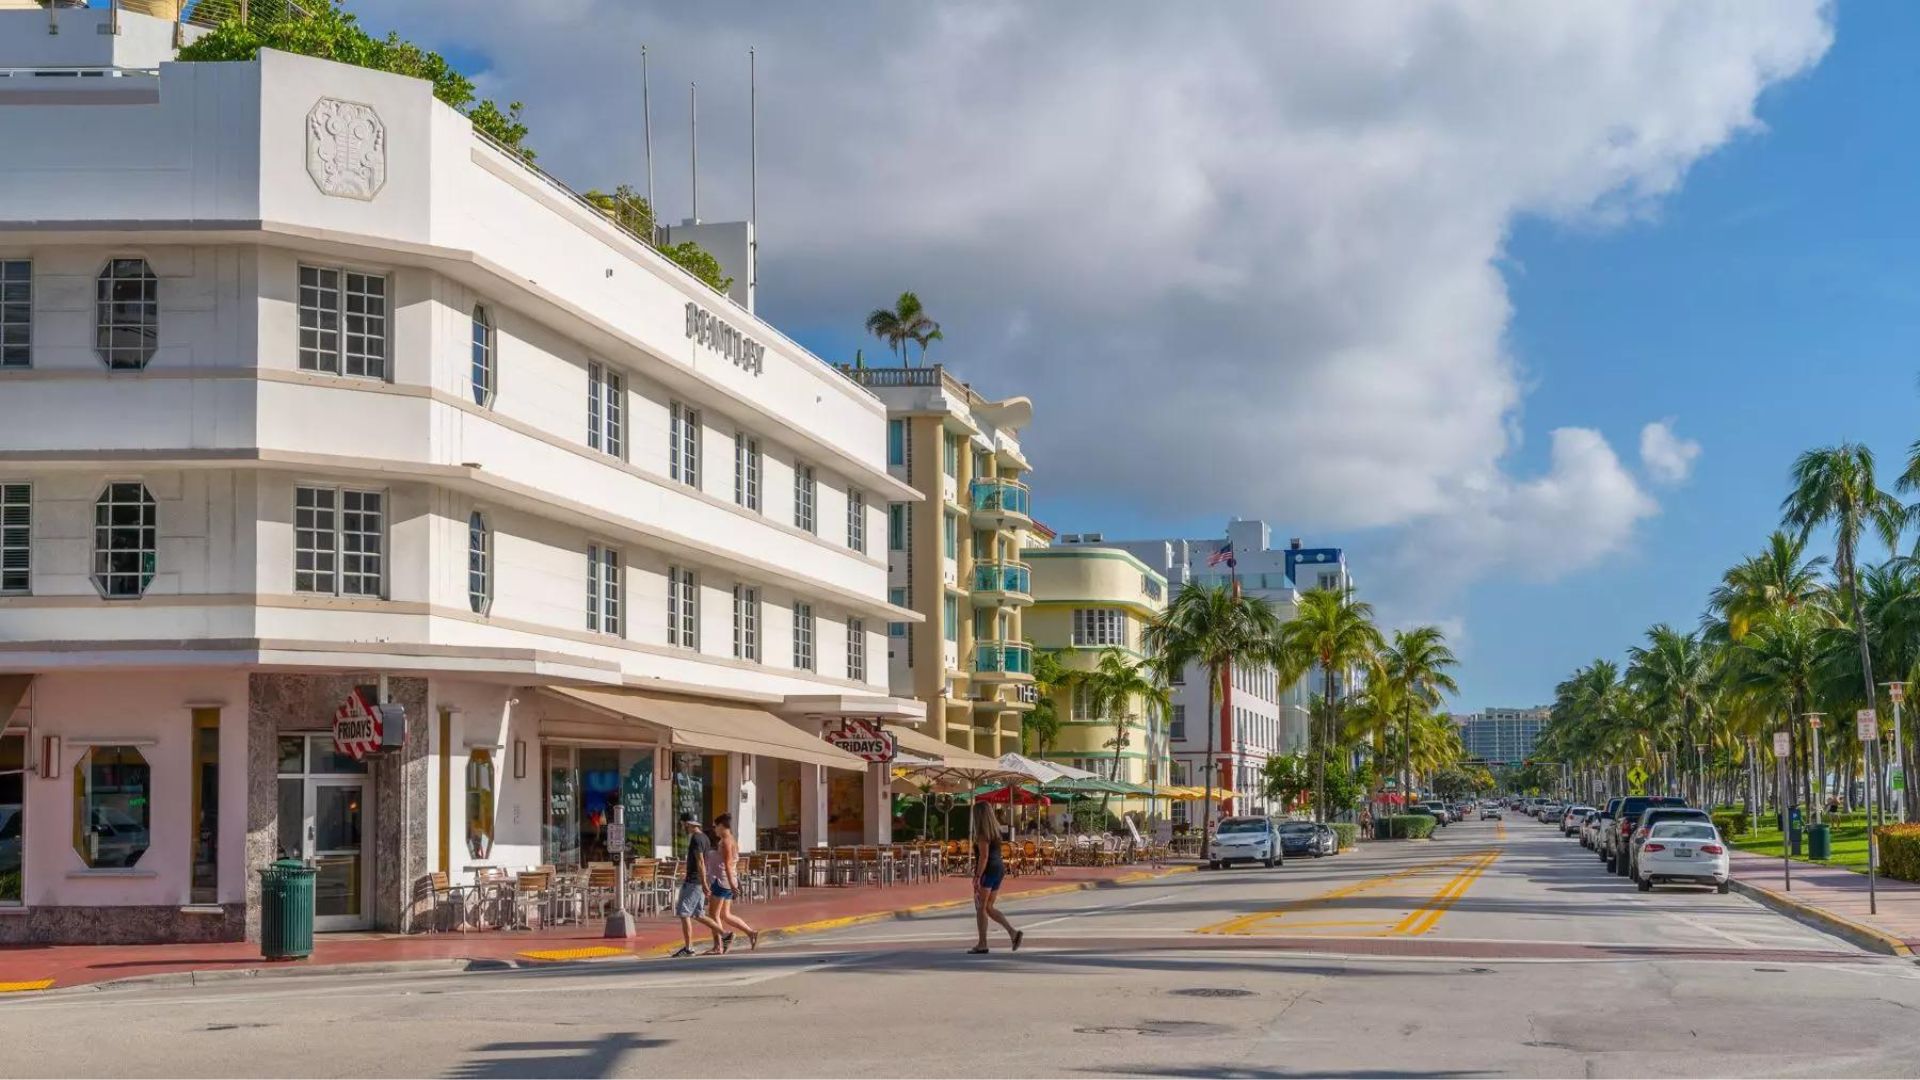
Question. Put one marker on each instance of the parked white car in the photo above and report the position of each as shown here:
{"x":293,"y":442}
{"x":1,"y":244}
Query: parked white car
{"x":1684,"y":853}
{"x":1246,"y":839}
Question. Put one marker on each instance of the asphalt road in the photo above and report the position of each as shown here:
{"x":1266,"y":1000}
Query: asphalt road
{"x":1500,"y":950}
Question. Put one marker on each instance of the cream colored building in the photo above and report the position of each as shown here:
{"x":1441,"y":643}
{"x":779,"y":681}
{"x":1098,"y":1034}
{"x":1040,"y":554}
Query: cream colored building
{"x":954,"y":556}
{"x":1087,"y":600}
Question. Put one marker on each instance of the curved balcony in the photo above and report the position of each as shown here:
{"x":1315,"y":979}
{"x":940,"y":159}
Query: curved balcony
{"x":1000,"y":504}
{"x":1002,"y":661}
{"x":1001,"y":584}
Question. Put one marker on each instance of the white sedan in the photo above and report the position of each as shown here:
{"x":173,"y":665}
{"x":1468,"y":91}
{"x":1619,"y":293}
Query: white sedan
{"x":1684,"y":852}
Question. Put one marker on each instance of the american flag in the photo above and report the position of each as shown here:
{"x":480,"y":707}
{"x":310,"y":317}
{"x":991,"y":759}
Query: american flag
{"x":1224,"y":555}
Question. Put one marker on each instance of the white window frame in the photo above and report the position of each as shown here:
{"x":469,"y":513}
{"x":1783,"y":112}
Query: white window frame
{"x":803,"y":627}
{"x":950,"y":618}
{"x":746,"y":623}
{"x":683,"y":608}
{"x":484,"y":353}
{"x":336,"y":534}
{"x":683,"y":443}
{"x":16,"y":540}
{"x":899,"y":526}
{"x":897,"y":596}
{"x":16,"y":333}
{"x":897,"y":442}
{"x":606,"y":410}
{"x":1099,"y":627}
{"x":112,"y":308}
{"x":806,"y":498}
{"x":349,"y":343}
{"x":479,"y":563}
{"x":857,"y":650}
{"x":949,"y":534}
{"x":856,"y":521}
{"x":746,"y":470}
{"x":1177,"y":725}
{"x":115,"y":496}
{"x":605,"y":614}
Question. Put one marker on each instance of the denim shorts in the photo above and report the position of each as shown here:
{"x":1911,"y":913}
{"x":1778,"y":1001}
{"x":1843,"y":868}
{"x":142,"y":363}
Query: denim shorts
{"x":720,"y":890}
{"x":692,"y":903}
{"x":991,"y":878}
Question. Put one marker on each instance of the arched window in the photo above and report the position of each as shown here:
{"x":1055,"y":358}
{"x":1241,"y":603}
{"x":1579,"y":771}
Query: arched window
{"x":126,"y":314}
{"x":483,"y":356}
{"x":125,"y":540}
{"x":479,"y":564}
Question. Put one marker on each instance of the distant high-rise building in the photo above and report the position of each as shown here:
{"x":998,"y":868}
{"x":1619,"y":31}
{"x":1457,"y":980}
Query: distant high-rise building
{"x":1501,"y":736}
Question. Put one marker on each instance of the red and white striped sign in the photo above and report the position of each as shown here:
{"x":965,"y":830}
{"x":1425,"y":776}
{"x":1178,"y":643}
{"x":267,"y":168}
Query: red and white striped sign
{"x":357,"y":730}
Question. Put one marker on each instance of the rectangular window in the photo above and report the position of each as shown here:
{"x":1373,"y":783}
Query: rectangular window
{"x":950,"y":455}
{"x":1178,"y":729}
{"x":857,"y":650}
{"x":1080,"y":704}
{"x":857,"y":521}
{"x":339,"y":541}
{"x":13,"y":813}
{"x":603,"y":590}
{"x":1099,"y":627}
{"x":1178,"y":677}
{"x":746,"y":470}
{"x":606,"y":410}
{"x":683,"y":608}
{"x":16,"y":313}
{"x":803,"y":636}
{"x":343,"y":322}
{"x":683,"y":444}
{"x":950,"y":618}
{"x":746,"y":623}
{"x":16,"y":540}
{"x":206,"y":806}
{"x":898,"y":598}
{"x":950,"y":534}
{"x":896,"y":442}
{"x":805,"y":498}
{"x":897,"y":526}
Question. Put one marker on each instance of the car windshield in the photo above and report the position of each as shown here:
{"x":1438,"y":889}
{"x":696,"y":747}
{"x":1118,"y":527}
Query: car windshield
{"x":1243,"y":825}
{"x":1296,"y":826}
{"x":1686,"y":830}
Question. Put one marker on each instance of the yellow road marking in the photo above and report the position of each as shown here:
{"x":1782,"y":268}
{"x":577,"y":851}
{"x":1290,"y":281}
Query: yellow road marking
{"x":588,"y":953}
{"x":23,"y":987}
{"x":1425,"y":917}
{"x":1245,"y":923}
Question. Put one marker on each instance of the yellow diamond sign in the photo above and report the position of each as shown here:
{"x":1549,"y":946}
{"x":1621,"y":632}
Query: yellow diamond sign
{"x":1637,"y":776}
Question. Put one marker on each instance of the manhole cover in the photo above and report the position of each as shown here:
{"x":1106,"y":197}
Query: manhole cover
{"x":1191,"y":1029}
{"x":1211,"y":992}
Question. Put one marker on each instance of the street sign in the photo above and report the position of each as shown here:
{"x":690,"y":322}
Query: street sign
{"x":1897,"y":691}
{"x":1899,"y":781}
{"x":1782,"y":744}
{"x":1867,"y":724}
{"x":1637,"y":777}
{"x":1813,"y":722}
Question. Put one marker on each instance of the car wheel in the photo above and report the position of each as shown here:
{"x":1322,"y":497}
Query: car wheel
{"x":1213,"y":864}
{"x":1609,"y":862}
{"x":1722,"y":887}
{"x":1646,"y":884}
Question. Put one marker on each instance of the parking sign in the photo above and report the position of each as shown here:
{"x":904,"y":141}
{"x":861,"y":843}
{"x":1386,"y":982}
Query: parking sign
{"x":1867,"y":723}
{"x":1782,"y":744}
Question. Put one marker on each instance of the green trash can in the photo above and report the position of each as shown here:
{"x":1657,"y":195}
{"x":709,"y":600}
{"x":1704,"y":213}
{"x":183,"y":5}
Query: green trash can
{"x":1820,"y":841}
{"x":286,"y":910}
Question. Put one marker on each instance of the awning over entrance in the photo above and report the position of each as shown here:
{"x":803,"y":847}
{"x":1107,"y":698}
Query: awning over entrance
{"x":12,"y":689}
{"x":922,"y":745}
{"x":703,"y":725}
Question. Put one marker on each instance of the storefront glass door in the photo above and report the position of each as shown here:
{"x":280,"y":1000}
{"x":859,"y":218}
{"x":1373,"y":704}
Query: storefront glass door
{"x":583,"y":786}
{"x":324,"y":809}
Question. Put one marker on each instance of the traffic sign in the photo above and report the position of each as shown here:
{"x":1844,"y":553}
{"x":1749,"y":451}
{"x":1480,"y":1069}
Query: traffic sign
{"x":1637,"y":777}
{"x":1782,"y":744}
{"x":1867,"y":724}
{"x":1897,"y":691}
{"x":1813,"y":722}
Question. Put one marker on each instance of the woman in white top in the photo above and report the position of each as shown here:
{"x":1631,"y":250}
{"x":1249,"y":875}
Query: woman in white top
{"x":722,"y":870}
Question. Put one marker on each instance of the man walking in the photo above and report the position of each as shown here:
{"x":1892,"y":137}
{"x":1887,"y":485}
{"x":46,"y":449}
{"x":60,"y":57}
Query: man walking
{"x":692,"y":903}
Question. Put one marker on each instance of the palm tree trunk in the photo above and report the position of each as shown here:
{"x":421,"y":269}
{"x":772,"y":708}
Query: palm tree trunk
{"x":1320,"y":755}
{"x":1213,"y":729}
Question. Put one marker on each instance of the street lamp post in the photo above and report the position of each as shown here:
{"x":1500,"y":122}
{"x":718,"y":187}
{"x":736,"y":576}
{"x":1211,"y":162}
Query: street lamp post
{"x":1819,"y":775}
{"x":1897,"y":692}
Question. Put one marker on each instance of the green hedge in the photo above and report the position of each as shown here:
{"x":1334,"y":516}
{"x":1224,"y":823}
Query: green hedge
{"x":1731,"y":823}
{"x":1409,"y":826}
{"x":1899,"y":851}
{"x":1348,"y":832}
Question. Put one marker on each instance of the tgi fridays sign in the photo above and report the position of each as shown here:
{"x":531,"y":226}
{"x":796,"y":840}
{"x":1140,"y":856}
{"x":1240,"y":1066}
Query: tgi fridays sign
{"x":706,"y":328}
{"x":863,"y":739}
{"x":362,"y":728}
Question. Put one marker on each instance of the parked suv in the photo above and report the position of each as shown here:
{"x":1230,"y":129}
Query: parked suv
{"x":1246,"y":839}
{"x":1570,"y":821}
{"x":1625,"y":819}
{"x":1651,"y":816}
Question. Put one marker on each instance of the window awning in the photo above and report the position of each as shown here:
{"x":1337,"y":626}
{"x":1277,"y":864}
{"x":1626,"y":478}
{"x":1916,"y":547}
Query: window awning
{"x":705,"y":725}
{"x":12,"y":689}
{"x":922,"y":745}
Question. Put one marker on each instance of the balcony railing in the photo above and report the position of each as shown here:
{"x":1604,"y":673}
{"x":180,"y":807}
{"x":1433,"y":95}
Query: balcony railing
{"x":1000,"y":497}
{"x":1003,"y":658}
{"x":1003,"y":577}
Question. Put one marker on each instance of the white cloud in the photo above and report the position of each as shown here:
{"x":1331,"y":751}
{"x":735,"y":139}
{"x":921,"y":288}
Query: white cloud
{"x":1668,"y":458}
{"x":1243,"y":256}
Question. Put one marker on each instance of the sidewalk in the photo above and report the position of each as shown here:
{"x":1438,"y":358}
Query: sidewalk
{"x":1835,"y":900}
{"x":26,"y":968}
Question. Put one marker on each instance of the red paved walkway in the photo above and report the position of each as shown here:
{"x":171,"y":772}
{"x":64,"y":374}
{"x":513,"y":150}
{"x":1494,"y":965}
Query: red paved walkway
{"x":24,"y":967}
{"x":1838,"y":894}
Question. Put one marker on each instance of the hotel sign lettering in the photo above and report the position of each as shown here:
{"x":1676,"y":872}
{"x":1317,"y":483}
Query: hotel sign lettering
{"x":706,"y":328}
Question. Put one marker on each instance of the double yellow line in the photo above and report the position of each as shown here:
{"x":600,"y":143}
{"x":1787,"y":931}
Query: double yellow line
{"x":1425,"y":917}
{"x":1418,"y":921}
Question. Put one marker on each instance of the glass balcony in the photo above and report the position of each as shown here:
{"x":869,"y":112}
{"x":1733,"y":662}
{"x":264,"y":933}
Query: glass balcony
{"x":996,"y":582}
{"x":1000,"y":499}
{"x":1002,"y":659}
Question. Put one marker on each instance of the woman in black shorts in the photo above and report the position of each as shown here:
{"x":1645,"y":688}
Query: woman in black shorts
{"x":989,"y":870}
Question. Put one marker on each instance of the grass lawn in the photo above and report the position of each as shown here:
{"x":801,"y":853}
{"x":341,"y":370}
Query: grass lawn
{"x":1849,"y":843}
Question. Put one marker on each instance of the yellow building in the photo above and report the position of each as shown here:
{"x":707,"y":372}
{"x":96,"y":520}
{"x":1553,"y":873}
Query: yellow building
{"x":955,"y":556}
{"x":1085,"y":601}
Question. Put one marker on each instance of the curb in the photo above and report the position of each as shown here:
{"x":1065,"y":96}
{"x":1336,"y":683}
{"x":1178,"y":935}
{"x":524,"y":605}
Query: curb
{"x":1859,"y":934}
{"x":296,"y":969}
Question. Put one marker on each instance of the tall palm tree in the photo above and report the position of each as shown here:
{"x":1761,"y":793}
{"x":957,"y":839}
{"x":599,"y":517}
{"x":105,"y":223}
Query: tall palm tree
{"x":1781,"y":576}
{"x":1215,"y":628}
{"x":1041,"y":725}
{"x":1416,"y":665}
{"x":1335,"y":631}
{"x":906,"y":321}
{"x":1114,"y":687}
{"x":1834,"y":486}
{"x":1674,"y":671}
{"x":1781,"y":658}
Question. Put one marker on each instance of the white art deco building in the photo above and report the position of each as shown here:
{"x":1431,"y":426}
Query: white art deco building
{"x":311,"y":397}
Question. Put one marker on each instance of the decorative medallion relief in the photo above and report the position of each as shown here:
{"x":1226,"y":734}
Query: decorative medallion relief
{"x":346,"y":149}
